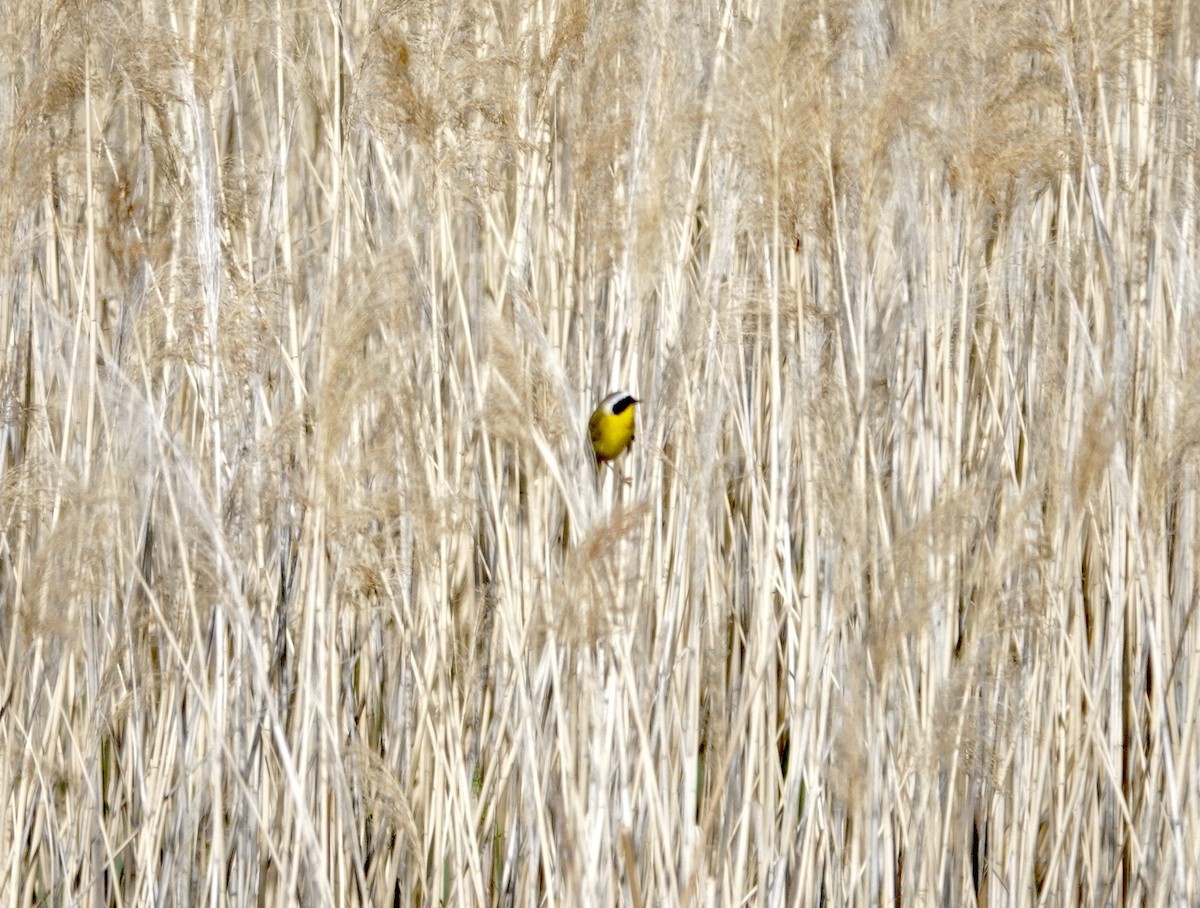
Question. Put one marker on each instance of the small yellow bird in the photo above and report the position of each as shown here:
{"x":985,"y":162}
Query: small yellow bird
{"x":611,"y":426}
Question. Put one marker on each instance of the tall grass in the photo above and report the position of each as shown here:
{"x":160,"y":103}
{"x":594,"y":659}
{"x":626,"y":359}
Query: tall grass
{"x":309,"y":592}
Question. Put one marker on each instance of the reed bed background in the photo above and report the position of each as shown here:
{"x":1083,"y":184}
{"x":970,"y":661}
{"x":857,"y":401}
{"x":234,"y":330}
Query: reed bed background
{"x":310,"y":594}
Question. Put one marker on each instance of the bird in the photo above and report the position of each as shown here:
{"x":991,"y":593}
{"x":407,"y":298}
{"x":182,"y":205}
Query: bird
{"x":611,"y":426}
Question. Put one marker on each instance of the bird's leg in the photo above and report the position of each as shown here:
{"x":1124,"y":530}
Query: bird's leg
{"x":624,"y":480}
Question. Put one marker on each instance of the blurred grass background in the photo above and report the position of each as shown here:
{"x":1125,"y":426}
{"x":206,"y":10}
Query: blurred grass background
{"x":309,"y":593}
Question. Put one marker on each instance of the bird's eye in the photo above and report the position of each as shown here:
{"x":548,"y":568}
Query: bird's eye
{"x":623,"y":404}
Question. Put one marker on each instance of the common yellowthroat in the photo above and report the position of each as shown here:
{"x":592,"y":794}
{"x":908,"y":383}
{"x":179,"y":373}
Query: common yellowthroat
{"x":611,"y":426}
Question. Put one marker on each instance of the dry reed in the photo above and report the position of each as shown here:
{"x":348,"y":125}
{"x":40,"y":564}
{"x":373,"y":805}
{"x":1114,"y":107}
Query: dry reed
{"x":309,"y":595}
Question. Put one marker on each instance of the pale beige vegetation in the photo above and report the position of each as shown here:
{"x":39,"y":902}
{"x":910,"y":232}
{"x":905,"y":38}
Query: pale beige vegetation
{"x":308,"y":593}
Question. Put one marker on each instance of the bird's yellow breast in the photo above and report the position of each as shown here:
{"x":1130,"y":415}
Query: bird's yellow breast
{"x":612,"y":426}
